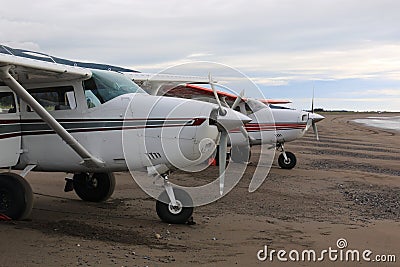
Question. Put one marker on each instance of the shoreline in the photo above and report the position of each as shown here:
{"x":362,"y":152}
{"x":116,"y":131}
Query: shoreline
{"x":377,"y":115}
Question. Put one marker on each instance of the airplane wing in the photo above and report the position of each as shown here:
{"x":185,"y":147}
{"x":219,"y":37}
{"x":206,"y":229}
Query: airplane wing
{"x":18,"y":71}
{"x":275,"y":101}
{"x":156,"y":84}
{"x":192,"y":91}
{"x":36,"y":68}
{"x":66,"y":62}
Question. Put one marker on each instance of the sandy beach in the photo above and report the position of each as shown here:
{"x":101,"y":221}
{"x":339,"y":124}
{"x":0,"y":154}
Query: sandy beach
{"x":346,"y":186}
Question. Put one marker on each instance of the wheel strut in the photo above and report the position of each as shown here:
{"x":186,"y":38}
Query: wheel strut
{"x":170,"y":191}
{"x":281,"y":148}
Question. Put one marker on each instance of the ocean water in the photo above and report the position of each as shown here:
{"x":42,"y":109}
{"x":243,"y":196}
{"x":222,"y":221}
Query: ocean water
{"x":388,"y":123}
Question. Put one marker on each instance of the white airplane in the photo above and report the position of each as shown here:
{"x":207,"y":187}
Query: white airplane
{"x":271,"y":124}
{"x":60,"y":118}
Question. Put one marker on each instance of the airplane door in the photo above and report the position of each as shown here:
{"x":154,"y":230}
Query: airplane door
{"x":10,"y":128}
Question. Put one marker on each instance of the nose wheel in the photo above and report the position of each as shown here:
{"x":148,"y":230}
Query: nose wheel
{"x":174,"y":205}
{"x":287,"y":163}
{"x":286,"y":160}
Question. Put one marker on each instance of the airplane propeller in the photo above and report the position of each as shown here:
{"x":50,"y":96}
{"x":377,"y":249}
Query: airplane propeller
{"x":237,"y":100}
{"x":314,"y":118}
{"x":223,"y":143}
{"x":314,"y":126}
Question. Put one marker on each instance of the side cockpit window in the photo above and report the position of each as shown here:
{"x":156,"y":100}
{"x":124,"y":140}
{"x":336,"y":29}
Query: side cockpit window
{"x":248,"y":109}
{"x":92,"y":94}
{"x":7,"y":103}
{"x":55,"y":98}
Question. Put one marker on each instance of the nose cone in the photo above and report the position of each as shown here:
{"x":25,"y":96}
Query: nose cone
{"x":316,"y":117}
{"x":232,"y":119}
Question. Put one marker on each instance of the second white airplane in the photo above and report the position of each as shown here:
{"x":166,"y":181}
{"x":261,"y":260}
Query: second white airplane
{"x":271,"y":124}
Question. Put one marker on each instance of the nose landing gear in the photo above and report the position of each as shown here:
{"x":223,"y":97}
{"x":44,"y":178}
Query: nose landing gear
{"x":174,"y":205}
{"x":286,"y":160}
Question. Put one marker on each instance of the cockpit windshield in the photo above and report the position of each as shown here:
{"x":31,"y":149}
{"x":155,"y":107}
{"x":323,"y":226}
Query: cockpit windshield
{"x":106,"y":85}
{"x":255,"y":105}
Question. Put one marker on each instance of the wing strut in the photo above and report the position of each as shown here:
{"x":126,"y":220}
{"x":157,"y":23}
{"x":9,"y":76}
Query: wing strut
{"x":88,"y":159}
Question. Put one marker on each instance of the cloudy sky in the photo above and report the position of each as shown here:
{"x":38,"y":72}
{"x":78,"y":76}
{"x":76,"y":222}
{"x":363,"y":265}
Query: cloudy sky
{"x":349,"y":51}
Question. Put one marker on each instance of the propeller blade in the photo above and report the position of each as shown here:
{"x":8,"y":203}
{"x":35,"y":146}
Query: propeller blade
{"x":309,"y":122}
{"x":222,"y":111}
{"x":314,"y":126}
{"x":223,"y":147}
{"x":223,"y":100}
{"x":234,"y":105}
{"x":312,"y":101}
{"x":238,"y":99}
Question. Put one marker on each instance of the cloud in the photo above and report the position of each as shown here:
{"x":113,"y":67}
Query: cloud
{"x":275,"y":81}
{"x":277,"y":43}
{"x":366,"y":61}
{"x":199,"y":55}
{"x":377,"y":92}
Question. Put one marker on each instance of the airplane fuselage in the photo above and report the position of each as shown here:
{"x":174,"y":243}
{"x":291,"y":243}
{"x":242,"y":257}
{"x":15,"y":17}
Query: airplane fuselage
{"x":271,"y":126}
{"x":136,"y":127}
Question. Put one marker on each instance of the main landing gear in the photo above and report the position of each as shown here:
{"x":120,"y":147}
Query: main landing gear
{"x":16,"y":197}
{"x":93,"y":187}
{"x":286,"y":160}
{"x":174,"y":205}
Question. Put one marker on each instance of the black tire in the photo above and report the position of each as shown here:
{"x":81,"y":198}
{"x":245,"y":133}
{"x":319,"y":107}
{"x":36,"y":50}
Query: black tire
{"x":290,"y":163}
{"x":16,"y":197}
{"x":99,"y":188}
{"x":240,"y":154}
{"x":179,"y":217}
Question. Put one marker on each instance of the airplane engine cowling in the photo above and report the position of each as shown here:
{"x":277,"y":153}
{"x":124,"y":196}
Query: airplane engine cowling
{"x":176,"y":132}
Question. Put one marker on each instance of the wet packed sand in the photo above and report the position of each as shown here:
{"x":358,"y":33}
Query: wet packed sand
{"x":345,"y":186}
